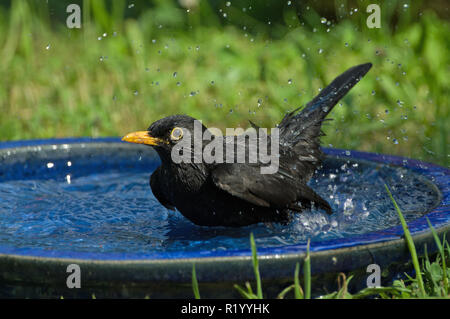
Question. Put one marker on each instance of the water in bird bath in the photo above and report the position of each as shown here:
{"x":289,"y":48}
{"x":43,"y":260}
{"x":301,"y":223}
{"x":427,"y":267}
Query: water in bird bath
{"x":97,"y":199}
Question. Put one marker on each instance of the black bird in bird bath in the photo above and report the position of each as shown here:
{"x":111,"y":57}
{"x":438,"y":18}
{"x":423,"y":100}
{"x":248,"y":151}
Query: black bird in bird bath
{"x":224,"y":193}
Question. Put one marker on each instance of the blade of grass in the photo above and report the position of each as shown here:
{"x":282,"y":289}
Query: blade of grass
{"x":367,"y":292}
{"x":249,"y":288}
{"x":410,"y":243}
{"x":244,"y":293}
{"x":426,"y":265}
{"x":447,"y":244}
{"x":442,"y":252}
{"x":343,"y":289}
{"x":256,"y":267}
{"x":297,"y":288}
{"x":195,"y":283}
{"x":307,"y":273}
{"x":285,"y":291}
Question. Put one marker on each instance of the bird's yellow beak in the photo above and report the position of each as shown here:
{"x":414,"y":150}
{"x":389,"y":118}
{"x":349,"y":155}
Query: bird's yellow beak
{"x":142,"y":137}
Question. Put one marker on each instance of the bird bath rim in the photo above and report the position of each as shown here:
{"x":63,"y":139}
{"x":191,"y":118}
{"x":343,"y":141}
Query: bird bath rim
{"x":439,"y":216}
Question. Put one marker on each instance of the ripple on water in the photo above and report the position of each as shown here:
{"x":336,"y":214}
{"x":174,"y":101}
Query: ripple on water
{"x":110,"y":208}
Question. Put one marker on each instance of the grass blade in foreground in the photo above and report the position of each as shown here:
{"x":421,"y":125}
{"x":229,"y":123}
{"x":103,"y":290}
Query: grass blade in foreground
{"x":297,"y":289}
{"x":256,"y":267}
{"x":307,"y":272}
{"x":249,"y":293}
{"x":410,"y":243}
{"x":442,"y":253}
{"x":195,"y":283}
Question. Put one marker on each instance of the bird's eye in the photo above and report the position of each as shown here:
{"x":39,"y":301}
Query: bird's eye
{"x":177,"y":133}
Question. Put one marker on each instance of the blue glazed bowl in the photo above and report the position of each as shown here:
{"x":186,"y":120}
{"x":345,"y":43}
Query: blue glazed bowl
{"x":38,"y":272}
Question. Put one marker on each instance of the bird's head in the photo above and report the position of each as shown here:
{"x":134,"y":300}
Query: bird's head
{"x":165,"y":133}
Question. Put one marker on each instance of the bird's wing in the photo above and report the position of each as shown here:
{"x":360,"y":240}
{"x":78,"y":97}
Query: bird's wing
{"x":156,"y":185}
{"x":268,"y":190}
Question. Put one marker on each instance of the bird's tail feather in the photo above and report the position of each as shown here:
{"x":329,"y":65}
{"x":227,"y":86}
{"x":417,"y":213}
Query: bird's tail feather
{"x":306,"y":123}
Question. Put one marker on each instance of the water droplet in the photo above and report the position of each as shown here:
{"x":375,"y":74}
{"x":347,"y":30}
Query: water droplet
{"x":105,"y":34}
{"x":228,"y":3}
{"x":289,"y":3}
{"x":373,"y":92}
{"x":259,"y":102}
{"x":175,"y":74}
{"x":178,"y":83}
{"x":154,"y":41}
{"x":348,"y":206}
{"x":347,"y":153}
{"x":50,"y":165}
{"x":212,"y":82}
{"x":395,"y":141}
{"x":320,"y":51}
{"x":346,"y":44}
{"x":48,"y":47}
{"x":405,"y":5}
{"x":323,"y":20}
{"x":131,"y":6}
{"x":135,"y":92}
{"x":192,"y":93}
{"x":290,"y":81}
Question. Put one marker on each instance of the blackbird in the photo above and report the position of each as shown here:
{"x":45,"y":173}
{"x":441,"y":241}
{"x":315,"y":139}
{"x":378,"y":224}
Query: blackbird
{"x":239,"y":194}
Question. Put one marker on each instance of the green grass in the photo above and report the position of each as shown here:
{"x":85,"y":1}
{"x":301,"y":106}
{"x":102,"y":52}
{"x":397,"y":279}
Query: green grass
{"x":82,"y":86}
{"x":411,"y":247}
{"x":431,"y":278}
{"x":195,"y":283}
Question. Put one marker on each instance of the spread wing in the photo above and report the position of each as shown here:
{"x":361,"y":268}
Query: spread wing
{"x":278,"y":190}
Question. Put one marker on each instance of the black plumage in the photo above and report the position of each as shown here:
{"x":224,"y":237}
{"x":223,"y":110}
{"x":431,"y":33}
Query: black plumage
{"x":237,"y":194}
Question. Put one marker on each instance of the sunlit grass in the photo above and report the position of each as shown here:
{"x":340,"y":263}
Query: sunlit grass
{"x":60,"y":82}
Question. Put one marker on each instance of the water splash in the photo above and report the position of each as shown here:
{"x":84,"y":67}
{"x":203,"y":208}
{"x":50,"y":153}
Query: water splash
{"x":103,"y":203}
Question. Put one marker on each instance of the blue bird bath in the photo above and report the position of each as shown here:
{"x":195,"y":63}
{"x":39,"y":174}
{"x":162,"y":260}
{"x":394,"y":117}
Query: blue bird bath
{"x":87,"y":202}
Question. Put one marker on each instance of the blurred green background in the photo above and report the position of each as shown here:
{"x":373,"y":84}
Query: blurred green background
{"x":224,"y":62}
